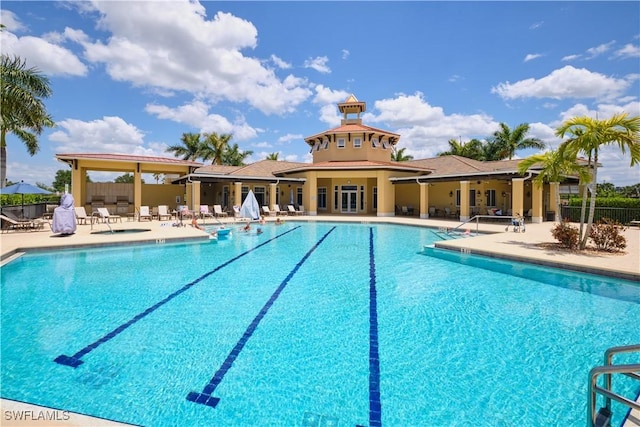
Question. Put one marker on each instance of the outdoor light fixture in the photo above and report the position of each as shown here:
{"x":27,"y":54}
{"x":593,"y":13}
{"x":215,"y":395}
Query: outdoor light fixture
{"x":504,"y":194}
{"x":450,"y":193}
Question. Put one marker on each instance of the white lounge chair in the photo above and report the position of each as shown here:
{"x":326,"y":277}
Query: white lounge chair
{"x":21,"y":225}
{"x":104,"y":214}
{"x":81,"y":215}
{"x":292,"y":210}
{"x":236,"y":213}
{"x":267,"y":211}
{"x":163,"y":212}
{"x":144,"y":213}
{"x":204,"y":212}
{"x":218,"y":212}
{"x":277,"y":211}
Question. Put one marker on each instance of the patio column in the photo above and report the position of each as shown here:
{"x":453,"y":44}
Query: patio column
{"x":517,"y":196}
{"x":554,"y":191}
{"x":424,"y":200}
{"x":78,"y":183}
{"x":273,"y":193}
{"x":310,"y":194}
{"x":464,"y":200}
{"x":137,"y":190}
{"x":237,"y":196}
{"x":386,"y":194}
{"x":537,"y":211}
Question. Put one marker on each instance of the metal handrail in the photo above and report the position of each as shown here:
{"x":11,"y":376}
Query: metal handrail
{"x":477,"y":219}
{"x":630,"y":370}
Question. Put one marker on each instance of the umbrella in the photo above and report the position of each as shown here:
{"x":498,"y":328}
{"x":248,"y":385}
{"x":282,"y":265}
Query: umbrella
{"x":23,"y":188}
{"x":250,"y":208}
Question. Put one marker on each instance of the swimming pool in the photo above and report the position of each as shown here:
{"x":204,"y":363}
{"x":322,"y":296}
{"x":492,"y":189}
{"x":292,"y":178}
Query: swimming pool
{"x":307,"y":324}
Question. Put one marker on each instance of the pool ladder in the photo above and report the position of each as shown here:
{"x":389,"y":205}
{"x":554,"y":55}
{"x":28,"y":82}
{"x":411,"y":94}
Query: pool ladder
{"x":602,"y":417}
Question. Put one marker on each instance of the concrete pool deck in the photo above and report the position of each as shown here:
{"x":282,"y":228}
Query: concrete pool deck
{"x":534,"y":246}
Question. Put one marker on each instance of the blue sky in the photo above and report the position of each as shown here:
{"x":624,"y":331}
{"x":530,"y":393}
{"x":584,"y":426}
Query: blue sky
{"x":132,"y":77}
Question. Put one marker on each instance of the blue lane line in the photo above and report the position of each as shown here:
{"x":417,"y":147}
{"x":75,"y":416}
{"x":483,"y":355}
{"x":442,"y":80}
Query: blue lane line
{"x":205,"y":397}
{"x":74,"y":361}
{"x":375,"y":407}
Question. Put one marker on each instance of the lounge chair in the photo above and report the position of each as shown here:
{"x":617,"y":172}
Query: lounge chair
{"x":184,"y":212}
{"x":205,"y":212}
{"x":20,"y":225}
{"x":163,"y":212}
{"x":104,"y":214}
{"x":278,"y":212}
{"x":144,"y":213}
{"x":292,"y":210}
{"x":432,"y":212}
{"x":218,"y":212}
{"x":236,"y":212}
{"x":267,"y":211}
{"x":81,"y":215}
{"x":300,"y":210}
{"x":404,"y":210}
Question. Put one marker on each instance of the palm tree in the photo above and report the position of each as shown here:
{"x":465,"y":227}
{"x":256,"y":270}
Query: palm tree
{"x":471,"y":149}
{"x":556,"y":165}
{"x":587,"y":135}
{"x":234,"y":157}
{"x":509,"y":141}
{"x":190,"y":148}
{"x":273,"y":156}
{"x":214,"y":146}
{"x":22,"y":111}
{"x":398,"y":155}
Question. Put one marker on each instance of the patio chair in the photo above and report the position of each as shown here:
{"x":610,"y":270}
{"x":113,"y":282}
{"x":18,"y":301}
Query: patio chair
{"x":292,"y":210}
{"x":144,"y":213}
{"x":218,"y":212}
{"x":278,"y":212}
{"x":205,"y":212}
{"x":81,"y":215}
{"x":23,"y":225}
{"x":163,"y":212}
{"x":267,"y":211}
{"x":103,"y":213}
{"x":184,"y":212}
{"x":236,"y":213}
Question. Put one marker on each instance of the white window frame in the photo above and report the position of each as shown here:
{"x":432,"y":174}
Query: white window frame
{"x":341,"y":143}
{"x":357,"y":142}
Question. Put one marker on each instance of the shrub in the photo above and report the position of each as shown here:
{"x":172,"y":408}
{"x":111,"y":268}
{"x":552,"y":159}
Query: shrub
{"x":566,"y":234}
{"x":605,"y":234}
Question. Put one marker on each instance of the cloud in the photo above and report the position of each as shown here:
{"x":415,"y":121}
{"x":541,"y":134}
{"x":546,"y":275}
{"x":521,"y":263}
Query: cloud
{"x":11,"y":21}
{"x":599,"y":50}
{"x":285,"y":139}
{"x":175,"y":48}
{"x":567,"y":82}
{"x":532,"y":56}
{"x":319,"y":64}
{"x":628,"y":51}
{"x":345,"y":54}
{"x":280,"y":63}
{"x":536,"y":25}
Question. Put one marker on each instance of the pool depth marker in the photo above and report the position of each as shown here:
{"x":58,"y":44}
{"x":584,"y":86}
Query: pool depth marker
{"x":375,"y":407}
{"x":205,"y":397}
{"x":74,"y":361}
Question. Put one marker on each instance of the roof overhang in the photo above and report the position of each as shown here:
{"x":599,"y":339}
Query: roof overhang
{"x":215,"y":177}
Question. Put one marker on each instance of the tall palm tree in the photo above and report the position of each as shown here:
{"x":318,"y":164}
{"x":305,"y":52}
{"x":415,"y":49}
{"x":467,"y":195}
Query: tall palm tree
{"x":587,"y":135}
{"x":471,"y":149}
{"x":214,"y":146}
{"x":23,"y":112}
{"x":398,"y":155}
{"x":273,"y":156}
{"x":190,"y":148}
{"x":234,"y":157}
{"x":509,"y":141}
{"x":556,"y":166}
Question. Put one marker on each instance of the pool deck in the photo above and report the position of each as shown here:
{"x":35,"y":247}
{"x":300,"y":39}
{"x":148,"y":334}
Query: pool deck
{"x":492,"y":240}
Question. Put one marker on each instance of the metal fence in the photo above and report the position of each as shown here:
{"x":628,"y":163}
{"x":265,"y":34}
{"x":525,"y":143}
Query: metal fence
{"x":622,"y":215}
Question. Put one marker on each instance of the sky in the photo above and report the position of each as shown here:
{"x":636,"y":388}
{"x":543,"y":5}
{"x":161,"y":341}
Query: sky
{"x":131,"y":77}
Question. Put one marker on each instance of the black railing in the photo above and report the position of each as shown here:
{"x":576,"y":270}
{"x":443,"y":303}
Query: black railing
{"x":622,"y":215}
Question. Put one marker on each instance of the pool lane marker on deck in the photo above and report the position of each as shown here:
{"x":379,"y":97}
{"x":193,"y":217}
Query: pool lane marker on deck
{"x":375,"y":407}
{"x":74,"y":361}
{"x":205,"y":397}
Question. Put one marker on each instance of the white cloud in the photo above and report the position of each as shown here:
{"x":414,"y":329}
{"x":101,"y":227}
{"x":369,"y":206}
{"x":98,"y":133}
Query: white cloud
{"x":175,"y":48}
{"x":345,"y":54}
{"x":536,"y":25}
{"x":285,"y":139}
{"x":628,"y":51}
{"x":11,"y":21}
{"x":532,"y":56}
{"x":599,"y":50}
{"x":319,"y":64}
{"x":280,"y":63}
{"x":567,"y":82}
{"x":570,"y":58}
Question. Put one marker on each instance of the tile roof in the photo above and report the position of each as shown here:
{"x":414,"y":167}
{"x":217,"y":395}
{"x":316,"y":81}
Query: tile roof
{"x":362,"y":164}
{"x":351,"y":128}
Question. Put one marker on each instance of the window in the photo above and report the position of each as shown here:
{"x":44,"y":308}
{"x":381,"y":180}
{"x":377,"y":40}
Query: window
{"x":259,"y":192}
{"x":357,"y":142}
{"x":341,"y":142}
{"x":458,"y":198}
{"x":362,"y":197}
{"x":385,"y":145}
{"x":491,"y":198}
{"x":375,"y":143}
{"x":325,"y":144}
{"x":299,"y":196}
{"x":375,"y":198}
{"x":472,"y":197}
{"x":322,"y":197}
{"x":336,"y":195}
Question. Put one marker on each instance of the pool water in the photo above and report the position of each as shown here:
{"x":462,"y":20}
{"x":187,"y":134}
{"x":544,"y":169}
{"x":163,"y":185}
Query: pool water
{"x":312,"y":324}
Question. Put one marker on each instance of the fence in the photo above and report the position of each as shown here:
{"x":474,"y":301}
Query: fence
{"x":622,"y":215}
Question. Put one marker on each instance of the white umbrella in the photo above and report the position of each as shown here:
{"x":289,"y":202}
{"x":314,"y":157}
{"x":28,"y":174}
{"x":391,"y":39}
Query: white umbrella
{"x":250,"y":208}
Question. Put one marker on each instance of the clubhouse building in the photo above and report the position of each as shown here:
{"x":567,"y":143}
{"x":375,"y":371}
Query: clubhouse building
{"x":351,"y":174}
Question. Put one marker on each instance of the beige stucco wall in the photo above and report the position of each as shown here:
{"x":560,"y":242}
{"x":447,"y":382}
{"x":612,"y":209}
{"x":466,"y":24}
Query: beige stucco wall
{"x":350,"y":153}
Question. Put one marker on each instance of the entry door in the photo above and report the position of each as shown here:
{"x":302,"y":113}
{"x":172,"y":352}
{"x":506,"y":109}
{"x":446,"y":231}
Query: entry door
{"x":349,"y":199}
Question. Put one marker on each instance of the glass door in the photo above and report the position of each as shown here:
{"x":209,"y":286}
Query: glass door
{"x":349,"y":199}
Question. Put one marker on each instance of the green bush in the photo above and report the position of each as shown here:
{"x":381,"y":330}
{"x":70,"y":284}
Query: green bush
{"x":605,"y":234}
{"x":609,"y":202}
{"x":566,"y":234}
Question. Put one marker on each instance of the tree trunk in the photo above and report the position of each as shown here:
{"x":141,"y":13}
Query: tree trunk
{"x":592,"y":201}
{"x":585,"y":195}
{"x":558,"y":203}
{"x":3,"y":166}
